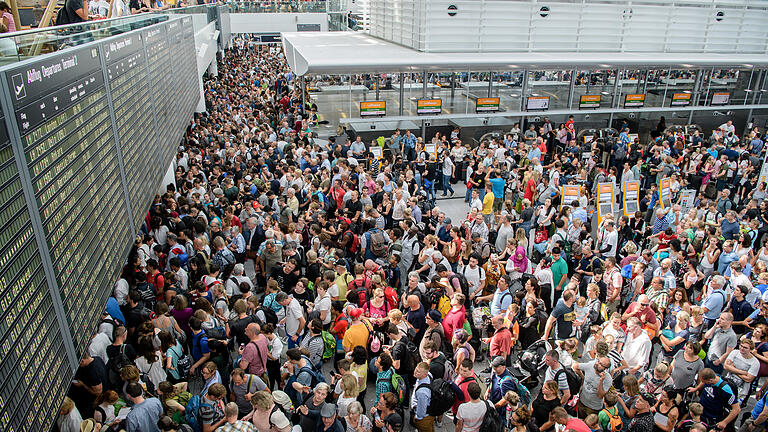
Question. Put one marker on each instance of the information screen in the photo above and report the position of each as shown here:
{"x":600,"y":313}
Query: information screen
{"x":74,"y":122}
{"x":132,"y":99}
{"x":66,"y":132}
{"x":537,"y":103}
{"x":33,"y":360}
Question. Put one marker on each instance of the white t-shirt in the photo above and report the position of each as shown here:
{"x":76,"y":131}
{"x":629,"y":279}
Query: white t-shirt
{"x":324,"y":304}
{"x":472,"y":413}
{"x":611,"y":239}
{"x":752,"y":366}
{"x":475,"y":277}
{"x":292,"y":315}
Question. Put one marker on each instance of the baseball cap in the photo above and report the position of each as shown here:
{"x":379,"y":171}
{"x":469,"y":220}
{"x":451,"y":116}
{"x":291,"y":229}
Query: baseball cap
{"x":447,"y":221}
{"x":648,"y":398}
{"x":498,"y":361}
{"x":395,"y":421}
{"x":341,"y":263}
{"x":356,"y":313}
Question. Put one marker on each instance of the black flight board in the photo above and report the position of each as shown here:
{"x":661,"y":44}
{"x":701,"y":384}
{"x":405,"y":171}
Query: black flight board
{"x":60,"y":111}
{"x":134,"y":115}
{"x":34,"y":367}
{"x":161,"y":79}
{"x":62,"y":115}
{"x":186,"y":86}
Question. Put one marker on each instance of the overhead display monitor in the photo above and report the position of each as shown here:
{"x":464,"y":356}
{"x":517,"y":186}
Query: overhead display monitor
{"x":537,"y":103}
{"x":589,"y":102}
{"x":720,"y":98}
{"x":373,"y":108}
{"x":634,"y":100}
{"x":429,"y":106}
{"x":681,"y":99}
{"x":487,"y":104}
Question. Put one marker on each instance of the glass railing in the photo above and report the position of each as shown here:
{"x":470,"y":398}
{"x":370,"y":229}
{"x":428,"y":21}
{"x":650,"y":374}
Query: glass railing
{"x":18,"y":46}
{"x":189,"y":10}
{"x":295,"y":6}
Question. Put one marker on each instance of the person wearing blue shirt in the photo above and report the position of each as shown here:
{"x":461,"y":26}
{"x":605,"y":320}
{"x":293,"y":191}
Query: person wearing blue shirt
{"x":759,"y":416}
{"x":200,"y":351}
{"x":721,"y":406}
{"x":624,"y":138}
{"x":715,"y":302}
{"x":730,"y":226}
{"x":421,"y":398}
{"x":497,"y":186}
{"x":579,"y":212}
{"x":534,"y":153}
{"x":408,"y":148}
{"x":501,"y":382}
{"x":727,"y":257}
{"x":502,"y":298}
{"x":145,"y":413}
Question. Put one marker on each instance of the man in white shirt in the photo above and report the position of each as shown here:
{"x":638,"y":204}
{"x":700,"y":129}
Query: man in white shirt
{"x":610,"y":240}
{"x":727,"y":127}
{"x":475,"y":276}
{"x":637,"y":348}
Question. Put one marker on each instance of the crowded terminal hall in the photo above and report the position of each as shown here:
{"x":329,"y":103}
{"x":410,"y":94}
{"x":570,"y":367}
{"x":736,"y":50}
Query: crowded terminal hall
{"x":285,"y":282}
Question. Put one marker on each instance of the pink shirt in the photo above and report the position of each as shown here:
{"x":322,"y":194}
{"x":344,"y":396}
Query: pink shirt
{"x":255,"y":353}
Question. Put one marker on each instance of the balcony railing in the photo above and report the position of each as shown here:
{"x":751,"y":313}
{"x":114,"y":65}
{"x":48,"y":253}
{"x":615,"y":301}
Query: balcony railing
{"x":18,"y":46}
{"x":295,"y":6}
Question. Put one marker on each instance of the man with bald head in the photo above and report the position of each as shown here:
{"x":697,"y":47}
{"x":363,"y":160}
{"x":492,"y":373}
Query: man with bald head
{"x":416,"y":315}
{"x":641,"y":309}
{"x":723,"y":339}
{"x":665,"y":272}
{"x":254,"y":354}
{"x":597,"y":382}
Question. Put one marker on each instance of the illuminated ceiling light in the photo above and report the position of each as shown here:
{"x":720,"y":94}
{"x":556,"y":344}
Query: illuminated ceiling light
{"x":605,"y":93}
{"x":687,"y":91}
{"x":534,"y":94}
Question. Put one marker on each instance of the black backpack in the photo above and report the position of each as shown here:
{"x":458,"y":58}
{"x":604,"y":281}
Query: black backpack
{"x":412,"y":358}
{"x":115,"y":364}
{"x":463,"y":283}
{"x":443,"y":396}
{"x":574,"y":380}
{"x":492,"y":419}
{"x":269,"y":315}
{"x":148,"y":294}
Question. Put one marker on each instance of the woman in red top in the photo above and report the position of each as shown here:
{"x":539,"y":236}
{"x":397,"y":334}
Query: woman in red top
{"x":530,"y":186}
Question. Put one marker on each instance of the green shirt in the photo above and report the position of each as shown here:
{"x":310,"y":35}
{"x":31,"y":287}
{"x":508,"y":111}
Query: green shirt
{"x":559,"y":268}
{"x":603,"y":417}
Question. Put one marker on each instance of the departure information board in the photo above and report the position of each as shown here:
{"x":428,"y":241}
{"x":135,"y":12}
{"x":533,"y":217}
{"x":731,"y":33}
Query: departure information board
{"x":75,"y":118}
{"x":68,"y":141}
{"x":162,"y":83}
{"x":33,"y":361}
{"x":132,"y":100}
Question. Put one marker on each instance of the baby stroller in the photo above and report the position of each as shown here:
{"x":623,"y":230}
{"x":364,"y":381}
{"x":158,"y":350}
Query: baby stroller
{"x":530,"y":364}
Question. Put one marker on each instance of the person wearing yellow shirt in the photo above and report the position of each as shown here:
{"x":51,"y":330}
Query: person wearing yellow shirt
{"x":488,"y":205}
{"x":357,"y":333}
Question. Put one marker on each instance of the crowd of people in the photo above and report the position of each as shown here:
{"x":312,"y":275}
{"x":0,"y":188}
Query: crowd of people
{"x":285,"y":284}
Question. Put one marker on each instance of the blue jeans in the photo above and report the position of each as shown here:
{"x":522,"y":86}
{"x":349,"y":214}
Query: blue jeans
{"x":468,"y":195}
{"x":431,"y":192}
{"x":292,"y":344}
{"x":447,"y":185}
